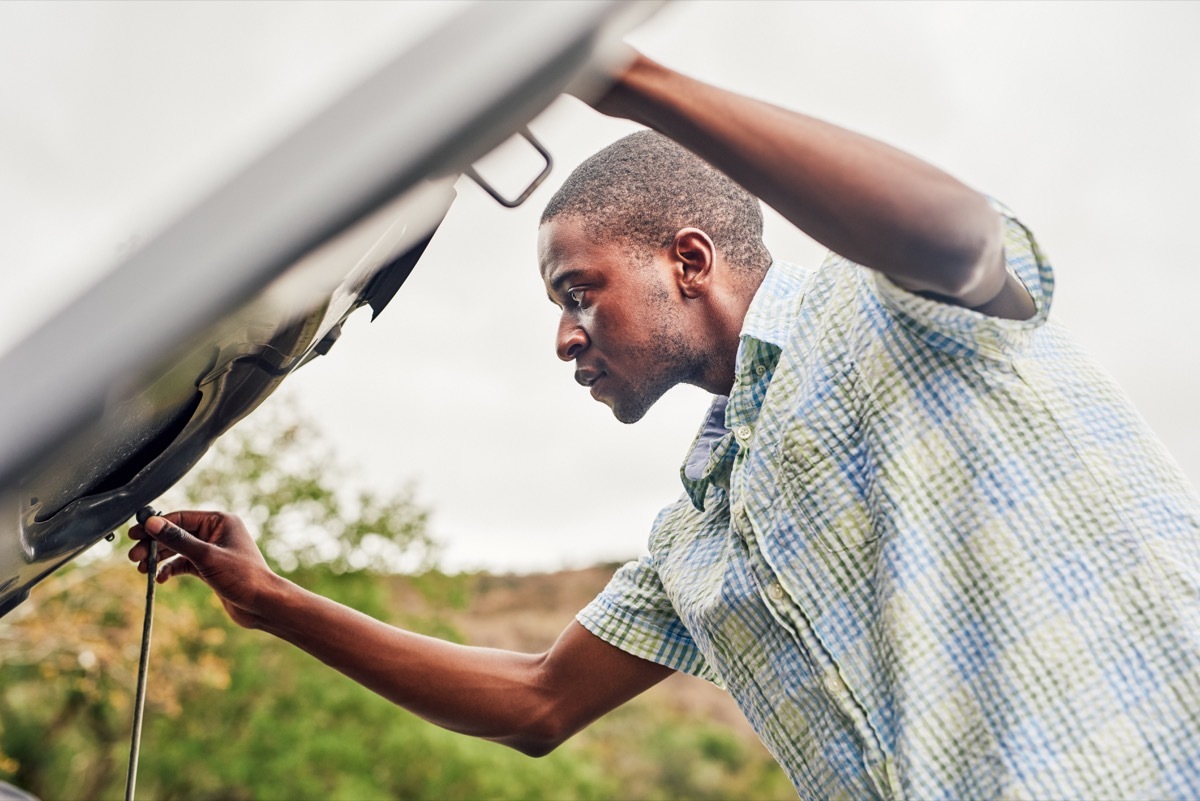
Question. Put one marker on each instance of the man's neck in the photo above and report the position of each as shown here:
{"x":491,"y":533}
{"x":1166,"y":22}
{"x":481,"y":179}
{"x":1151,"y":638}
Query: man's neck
{"x":728,"y":315}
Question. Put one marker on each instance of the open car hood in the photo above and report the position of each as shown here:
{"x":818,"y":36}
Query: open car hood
{"x":112,"y":401}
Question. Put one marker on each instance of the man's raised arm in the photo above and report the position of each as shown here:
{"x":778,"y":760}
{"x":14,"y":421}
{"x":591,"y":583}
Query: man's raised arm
{"x":530,"y":702}
{"x":865,"y":200}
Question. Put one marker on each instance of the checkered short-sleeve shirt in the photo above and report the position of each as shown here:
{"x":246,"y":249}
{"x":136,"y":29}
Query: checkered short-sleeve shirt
{"x":931,"y":553}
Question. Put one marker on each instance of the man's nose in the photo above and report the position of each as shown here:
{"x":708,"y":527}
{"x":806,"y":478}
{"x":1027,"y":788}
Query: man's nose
{"x":572,"y":340}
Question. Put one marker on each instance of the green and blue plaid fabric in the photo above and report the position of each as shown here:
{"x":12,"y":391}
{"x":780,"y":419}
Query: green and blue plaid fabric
{"x":931,"y":553}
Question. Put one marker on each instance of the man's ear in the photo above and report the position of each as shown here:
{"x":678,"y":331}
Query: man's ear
{"x":695,"y":257}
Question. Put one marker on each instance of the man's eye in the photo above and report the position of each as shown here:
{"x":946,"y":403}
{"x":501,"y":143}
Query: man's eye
{"x":577,"y":296}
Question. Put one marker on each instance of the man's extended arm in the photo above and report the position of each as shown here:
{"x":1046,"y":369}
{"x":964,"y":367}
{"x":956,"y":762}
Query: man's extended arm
{"x":860,"y":198}
{"x":526,"y":701}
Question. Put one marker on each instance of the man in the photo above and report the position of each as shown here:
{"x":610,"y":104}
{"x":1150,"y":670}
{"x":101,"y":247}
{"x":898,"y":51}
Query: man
{"x":924,"y":542}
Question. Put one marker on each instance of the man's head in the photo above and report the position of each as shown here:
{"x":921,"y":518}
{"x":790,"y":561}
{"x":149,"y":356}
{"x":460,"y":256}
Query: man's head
{"x":653,"y":256}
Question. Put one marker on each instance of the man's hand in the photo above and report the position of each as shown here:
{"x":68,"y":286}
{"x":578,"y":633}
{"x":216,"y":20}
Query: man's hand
{"x":604,"y":86}
{"x":604,"y":74}
{"x":217,"y":549}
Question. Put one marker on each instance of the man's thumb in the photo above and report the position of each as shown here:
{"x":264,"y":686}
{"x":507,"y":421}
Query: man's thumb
{"x":172,"y":536}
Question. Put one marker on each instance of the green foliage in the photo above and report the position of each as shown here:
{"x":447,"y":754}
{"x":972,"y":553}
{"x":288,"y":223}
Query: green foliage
{"x":293,"y":494}
{"x":288,"y":727}
{"x":235,"y":714}
{"x":665,"y":754}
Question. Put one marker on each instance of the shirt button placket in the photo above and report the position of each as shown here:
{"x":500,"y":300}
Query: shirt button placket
{"x":836,"y":687}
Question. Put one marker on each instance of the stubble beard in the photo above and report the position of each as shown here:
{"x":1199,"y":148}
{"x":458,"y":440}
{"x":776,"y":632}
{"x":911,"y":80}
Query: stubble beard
{"x":676,"y":360}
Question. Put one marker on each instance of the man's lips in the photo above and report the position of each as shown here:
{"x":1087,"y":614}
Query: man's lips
{"x":589,"y":377}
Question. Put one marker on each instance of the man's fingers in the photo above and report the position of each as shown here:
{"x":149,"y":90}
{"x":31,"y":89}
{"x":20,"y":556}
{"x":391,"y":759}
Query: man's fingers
{"x":140,"y":551}
{"x":176,"y":567}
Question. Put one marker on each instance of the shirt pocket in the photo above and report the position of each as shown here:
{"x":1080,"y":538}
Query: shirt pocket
{"x":822,"y":470}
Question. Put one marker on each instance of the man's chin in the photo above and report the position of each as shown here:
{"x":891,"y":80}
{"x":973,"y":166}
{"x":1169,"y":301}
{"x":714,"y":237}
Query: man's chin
{"x":627,"y":406}
{"x":628,"y":419}
{"x":626,"y":412}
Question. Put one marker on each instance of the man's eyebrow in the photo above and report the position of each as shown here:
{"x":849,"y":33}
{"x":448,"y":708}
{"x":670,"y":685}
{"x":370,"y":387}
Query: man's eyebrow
{"x":564,"y":277}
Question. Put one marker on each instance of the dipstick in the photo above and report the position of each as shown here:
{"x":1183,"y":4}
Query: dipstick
{"x":143,"y":514}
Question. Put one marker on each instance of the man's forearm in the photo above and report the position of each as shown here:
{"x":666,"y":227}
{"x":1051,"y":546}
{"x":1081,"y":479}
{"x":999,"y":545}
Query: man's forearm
{"x":481,"y":692}
{"x":528,"y":702}
{"x":859,"y":197}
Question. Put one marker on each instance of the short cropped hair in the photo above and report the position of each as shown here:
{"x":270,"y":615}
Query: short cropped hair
{"x":644,"y":188}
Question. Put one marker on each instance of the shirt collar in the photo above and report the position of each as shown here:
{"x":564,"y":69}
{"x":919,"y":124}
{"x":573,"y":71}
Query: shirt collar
{"x":773,"y":309}
{"x":764,"y":332}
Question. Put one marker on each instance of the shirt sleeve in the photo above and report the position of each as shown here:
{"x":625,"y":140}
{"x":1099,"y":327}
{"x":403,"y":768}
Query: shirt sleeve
{"x":966,"y":332}
{"x":634,"y":614}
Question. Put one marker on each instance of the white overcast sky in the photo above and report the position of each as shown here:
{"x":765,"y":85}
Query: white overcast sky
{"x":1084,"y":118}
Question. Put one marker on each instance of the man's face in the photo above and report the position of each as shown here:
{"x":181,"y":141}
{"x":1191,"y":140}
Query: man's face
{"x":623,"y":319}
